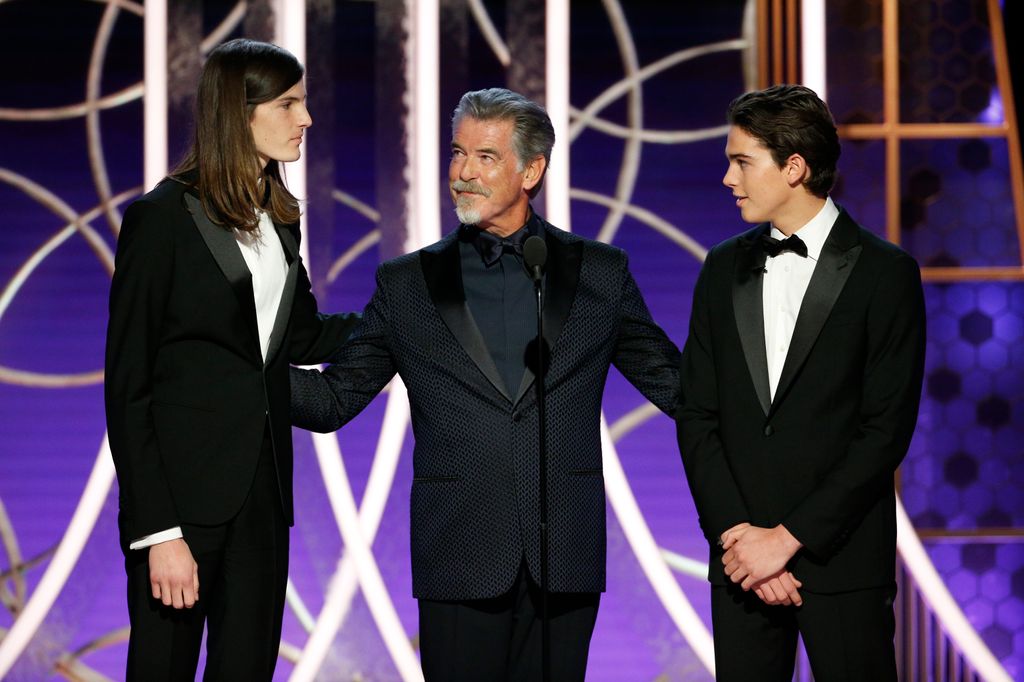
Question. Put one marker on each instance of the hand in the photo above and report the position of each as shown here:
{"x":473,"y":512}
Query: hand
{"x":725,"y":537}
{"x":780,"y":590}
{"x":754,"y":554}
{"x":174,"y":574}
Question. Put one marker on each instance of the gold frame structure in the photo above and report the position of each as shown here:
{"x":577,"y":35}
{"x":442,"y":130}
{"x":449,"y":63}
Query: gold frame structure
{"x":778,"y":62}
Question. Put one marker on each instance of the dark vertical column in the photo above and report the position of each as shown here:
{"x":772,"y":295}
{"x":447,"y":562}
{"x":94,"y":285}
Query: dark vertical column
{"x":389,"y":147}
{"x":184,"y":62}
{"x":454,"y":77}
{"x":526,"y":47}
{"x":321,"y":139}
{"x":259,"y":21}
{"x":527,"y":67}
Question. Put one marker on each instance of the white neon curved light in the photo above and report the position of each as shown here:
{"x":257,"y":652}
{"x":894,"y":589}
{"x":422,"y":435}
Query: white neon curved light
{"x":346,"y":577}
{"x":64,"y":559}
{"x":491,"y":35}
{"x":615,"y":90}
{"x":936,"y":595}
{"x":648,"y":218}
{"x":635,"y":528}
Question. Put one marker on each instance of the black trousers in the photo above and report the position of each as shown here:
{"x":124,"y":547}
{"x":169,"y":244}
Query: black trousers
{"x":243,"y":574}
{"x":499,"y":639}
{"x":848,"y":636}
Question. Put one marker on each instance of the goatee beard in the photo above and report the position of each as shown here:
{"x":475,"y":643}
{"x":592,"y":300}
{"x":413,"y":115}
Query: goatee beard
{"x":467,"y":216}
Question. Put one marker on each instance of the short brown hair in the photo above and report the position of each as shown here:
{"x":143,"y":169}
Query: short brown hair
{"x":791,"y":119}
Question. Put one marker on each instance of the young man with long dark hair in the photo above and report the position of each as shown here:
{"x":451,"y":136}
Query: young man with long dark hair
{"x":209,"y":305}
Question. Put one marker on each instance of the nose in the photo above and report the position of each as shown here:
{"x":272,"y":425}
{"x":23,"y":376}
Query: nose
{"x":467,"y":169}
{"x":728,"y":180}
{"x":305,"y":120}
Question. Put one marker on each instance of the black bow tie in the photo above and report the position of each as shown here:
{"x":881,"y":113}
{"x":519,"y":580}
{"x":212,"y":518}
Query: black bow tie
{"x":491,"y":246}
{"x":773,"y":247}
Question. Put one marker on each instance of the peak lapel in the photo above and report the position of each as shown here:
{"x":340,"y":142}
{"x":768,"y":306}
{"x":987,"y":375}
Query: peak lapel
{"x":442,"y":270}
{"x":222,"y":245}
{"x":838,"y":257}
{"x":748,"y":307}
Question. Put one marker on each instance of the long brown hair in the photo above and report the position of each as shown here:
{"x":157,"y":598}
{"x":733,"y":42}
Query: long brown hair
{"x":239,"y":75}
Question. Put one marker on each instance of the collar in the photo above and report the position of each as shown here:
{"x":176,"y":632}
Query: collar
{"x":490,"y":246}
{"x":816,"y":231}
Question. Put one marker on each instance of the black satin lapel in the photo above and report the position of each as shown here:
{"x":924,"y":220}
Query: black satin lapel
{"x":560,"y":282}
{"x":830,"y":275}
{"x":748,"y":307}
{"x":442,"y":270}
{"x":561,"y":278}
{"x":288,"y":243}
{"x":222,"y":245}
{"x":284,"y":309}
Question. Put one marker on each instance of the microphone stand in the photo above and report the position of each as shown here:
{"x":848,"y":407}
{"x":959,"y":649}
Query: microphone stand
{"x":535,"y":254}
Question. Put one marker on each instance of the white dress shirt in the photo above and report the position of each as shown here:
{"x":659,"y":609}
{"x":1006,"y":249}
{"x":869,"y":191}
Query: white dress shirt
{"x":265,"y":258}
{"x":785,"y":282}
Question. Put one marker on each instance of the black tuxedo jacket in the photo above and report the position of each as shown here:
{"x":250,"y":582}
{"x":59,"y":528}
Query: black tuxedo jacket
{"x":188,"y":395}
{"x":820,"y":457}
{"x":474,"y":507}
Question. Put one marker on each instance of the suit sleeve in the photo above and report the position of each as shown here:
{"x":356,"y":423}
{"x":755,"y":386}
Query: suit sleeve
{"x":720,"y":505}
{"x":314,"y":336}
{"x":643,"y":352}
{"x":893,"y":374}
{"x":326,"y":401}
{"x":143,"y":274}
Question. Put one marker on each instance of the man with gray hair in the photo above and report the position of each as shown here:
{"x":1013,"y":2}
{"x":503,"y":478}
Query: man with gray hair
{"x":457,"y":321}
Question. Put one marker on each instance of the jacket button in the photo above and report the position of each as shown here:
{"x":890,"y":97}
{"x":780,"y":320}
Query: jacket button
{"x":769,"y":430}
{"x":515,"y":416}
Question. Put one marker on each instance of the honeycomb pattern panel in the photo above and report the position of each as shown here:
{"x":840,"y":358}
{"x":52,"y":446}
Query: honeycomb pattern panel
{"x":956,"y":205}
{"x":965,"y":469}
{"x":854,"y":65}
{"x":987,"y":580}
{"x":947,"y":72}
{"x":860,"y":185}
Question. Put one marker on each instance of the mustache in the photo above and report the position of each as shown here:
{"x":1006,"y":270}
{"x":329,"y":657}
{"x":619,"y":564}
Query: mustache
{"x":464,"y":186}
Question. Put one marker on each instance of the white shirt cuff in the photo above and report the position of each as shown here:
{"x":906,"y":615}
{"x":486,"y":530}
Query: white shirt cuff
{"x":157,"y":538}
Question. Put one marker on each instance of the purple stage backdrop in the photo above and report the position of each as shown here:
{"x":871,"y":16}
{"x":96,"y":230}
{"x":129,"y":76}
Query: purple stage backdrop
{"x":646,"y":166}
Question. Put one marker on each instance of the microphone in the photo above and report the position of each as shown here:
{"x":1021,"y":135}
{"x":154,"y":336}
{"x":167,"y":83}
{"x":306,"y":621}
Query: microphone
{"x":535,"y":256}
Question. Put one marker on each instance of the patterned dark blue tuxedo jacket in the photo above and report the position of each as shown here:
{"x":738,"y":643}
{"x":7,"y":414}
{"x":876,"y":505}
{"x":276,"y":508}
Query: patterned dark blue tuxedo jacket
{"x":474,"y":508}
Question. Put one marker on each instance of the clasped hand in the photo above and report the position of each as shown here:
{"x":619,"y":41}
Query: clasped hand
{"x":756,"y":557}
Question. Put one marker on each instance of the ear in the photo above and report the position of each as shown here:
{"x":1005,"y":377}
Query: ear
{"x":796,"y":170}
{"x":534,"y":172}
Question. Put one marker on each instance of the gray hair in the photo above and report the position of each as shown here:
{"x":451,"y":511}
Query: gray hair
{"x":532,"y":135}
